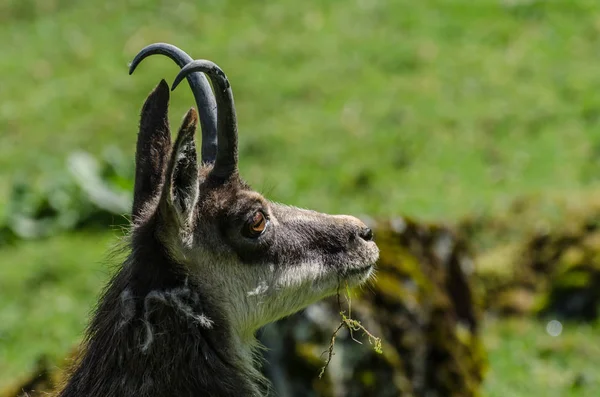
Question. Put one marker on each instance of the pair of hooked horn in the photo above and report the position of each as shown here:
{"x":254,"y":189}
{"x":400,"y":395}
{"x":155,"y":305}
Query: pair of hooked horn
{"x":218,"y":119}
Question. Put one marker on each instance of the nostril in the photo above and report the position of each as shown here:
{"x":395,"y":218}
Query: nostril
{"x":366,"y":234}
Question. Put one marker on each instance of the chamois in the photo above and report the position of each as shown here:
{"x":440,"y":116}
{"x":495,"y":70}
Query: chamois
{"x":211,"y":260}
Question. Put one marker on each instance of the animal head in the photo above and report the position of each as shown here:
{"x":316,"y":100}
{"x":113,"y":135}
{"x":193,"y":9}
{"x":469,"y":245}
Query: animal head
{"x":258,"y":259}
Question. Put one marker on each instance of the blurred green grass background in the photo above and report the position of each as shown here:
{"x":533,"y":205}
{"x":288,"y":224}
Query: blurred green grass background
{"x":434,"y":109}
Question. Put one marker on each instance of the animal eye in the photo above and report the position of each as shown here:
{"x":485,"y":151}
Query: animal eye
{"x":256,"y":225}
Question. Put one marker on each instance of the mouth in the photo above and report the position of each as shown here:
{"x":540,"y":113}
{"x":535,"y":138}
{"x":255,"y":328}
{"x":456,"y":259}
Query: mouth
{"x":364,"y":268}
{"x":358,"y":275}
{"x":357,"y":271}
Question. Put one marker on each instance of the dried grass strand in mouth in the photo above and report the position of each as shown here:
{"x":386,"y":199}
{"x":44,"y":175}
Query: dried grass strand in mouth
{"x":352,"y":326}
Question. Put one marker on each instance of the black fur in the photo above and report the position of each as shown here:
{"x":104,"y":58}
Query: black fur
{"x":185,"y":357}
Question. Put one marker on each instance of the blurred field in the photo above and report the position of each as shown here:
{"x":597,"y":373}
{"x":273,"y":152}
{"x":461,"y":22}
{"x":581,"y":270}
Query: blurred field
{"x":525,"y":360}
{"x":435,"y":109}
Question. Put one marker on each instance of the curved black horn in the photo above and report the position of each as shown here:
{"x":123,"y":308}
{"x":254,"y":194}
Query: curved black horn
{"x":227,"y":155}
{"x":205,"y":100}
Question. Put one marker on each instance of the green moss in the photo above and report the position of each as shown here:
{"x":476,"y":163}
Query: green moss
{"x":555,"y":272}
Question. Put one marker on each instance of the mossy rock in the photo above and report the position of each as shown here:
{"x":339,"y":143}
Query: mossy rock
{"x":553,"y":273}
{"x":422,"y":306}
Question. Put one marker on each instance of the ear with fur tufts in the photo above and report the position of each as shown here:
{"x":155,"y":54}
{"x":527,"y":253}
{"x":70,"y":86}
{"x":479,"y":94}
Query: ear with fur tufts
{"x":180,"y":192}
{"x":152,"y":152}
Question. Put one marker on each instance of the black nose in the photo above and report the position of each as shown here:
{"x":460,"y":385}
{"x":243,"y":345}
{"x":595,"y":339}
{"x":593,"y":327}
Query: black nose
{"x":366,"y":234}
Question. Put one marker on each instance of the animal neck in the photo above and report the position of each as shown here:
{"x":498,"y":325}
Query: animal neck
{"x":155,"y":334}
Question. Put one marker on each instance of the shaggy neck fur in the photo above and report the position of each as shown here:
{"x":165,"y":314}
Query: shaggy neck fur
{"x":155,"y":334}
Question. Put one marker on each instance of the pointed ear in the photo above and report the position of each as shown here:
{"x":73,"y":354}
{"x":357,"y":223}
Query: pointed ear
{"x":180,"y":192}
{"x":153,"y":149}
